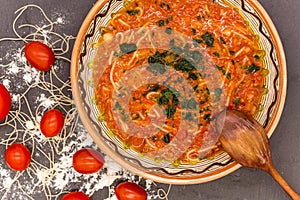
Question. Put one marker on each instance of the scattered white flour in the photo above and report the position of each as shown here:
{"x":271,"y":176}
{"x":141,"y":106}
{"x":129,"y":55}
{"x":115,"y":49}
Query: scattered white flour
{"x":6,"y":83}
{"x":44,"y":101}
{"x":51,"y":172}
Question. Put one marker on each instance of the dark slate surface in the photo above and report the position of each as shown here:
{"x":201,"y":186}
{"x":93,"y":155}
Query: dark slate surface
{"x":244,"y":184}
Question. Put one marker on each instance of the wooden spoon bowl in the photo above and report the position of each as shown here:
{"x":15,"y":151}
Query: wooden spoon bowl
{"x":245,"y":140}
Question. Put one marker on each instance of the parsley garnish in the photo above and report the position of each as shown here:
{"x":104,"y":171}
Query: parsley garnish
{"x":206,"y":117}
{"x":222,"y":40}
{"x":218,"y":92}
{"x":231,"y":52}
{"x":132,"y":12}
{"x":160,"y":23}
{"x":208,"y":39}
{"x":253,"y":68}
{"x":166,"y":138}
{"x":169,"y":31}
{"x":216,"y":54}
{"x":127,"y":48}
{"x":194,"y":31}
{"x":184,"y":65}
{"x":163,"y":5}
{"x":237,"y":101}
{"x":228,"y":76}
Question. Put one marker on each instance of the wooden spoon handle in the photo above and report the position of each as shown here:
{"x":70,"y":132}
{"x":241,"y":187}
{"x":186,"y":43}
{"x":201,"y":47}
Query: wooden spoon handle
{"x":280,"y":180}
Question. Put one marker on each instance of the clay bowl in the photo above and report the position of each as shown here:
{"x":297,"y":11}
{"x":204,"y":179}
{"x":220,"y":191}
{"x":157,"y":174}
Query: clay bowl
{"x":208,"y":169}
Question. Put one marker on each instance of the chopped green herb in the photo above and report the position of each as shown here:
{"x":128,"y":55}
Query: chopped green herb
{"x":207,"y":91}
{"x":193,"y":76}
{"x":218,"y":92}
{"x":228,"y":76}
{"x":158,"y":57}
{"x":206,"y":117}
{"x":208,"y":39}
{"x":153,"y":88}
{"x":168,"y":98}
{"x":163,"y":5}
{"x":167,"y":93}
{"x":154,"y":138}
{"x":199,"y":17}
{"x":118,"y":106}
{"x":184,"y":65}
{"x":170,"y":111}
{"x":127,"y":48}
{"x":198,"y":41}
{"x":156,"y":68}
{"x":166,"y":138}
{"x":186,"y":48}
{"x":216,"y":54}
{"x":237,"y":101}
{"x":222,"y":40}
{"x":195,"y":87}
{"x":174,"y":48}
{"x":169,"y":31}
{"x":253,"y":68}
{"x":194,"y":31}
{"x":195,"y":56}
{"x":231,"y":52}
{"x":160,"y":23}
{"x":190,"y":104}
{"x":188,"y":116}
{"x":132,"y":12}
{"x":152,"y":34}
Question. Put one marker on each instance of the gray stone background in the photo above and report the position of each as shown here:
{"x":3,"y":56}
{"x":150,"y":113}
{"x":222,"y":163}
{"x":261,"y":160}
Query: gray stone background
{"x":244,"y":184}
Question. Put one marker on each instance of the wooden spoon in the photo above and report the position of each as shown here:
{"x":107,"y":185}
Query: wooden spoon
{"x":245,"y":140}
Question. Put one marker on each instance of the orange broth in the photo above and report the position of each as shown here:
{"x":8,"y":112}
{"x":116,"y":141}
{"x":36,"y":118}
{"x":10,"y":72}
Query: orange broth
{"x":213,"y":25}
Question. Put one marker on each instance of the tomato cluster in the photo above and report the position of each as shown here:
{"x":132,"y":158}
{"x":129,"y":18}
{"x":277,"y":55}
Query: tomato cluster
{"x":85,"y":161}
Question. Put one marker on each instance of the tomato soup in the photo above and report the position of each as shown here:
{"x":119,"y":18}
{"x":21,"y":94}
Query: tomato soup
{"x":198,"y":34}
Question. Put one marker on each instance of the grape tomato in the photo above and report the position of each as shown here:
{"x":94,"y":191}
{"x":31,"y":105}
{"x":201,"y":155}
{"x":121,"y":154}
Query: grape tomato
{"x":39,"y":55}
{"x":87,"y":161}
{"x":52,"y":122}
{"x":130,"y":191}
{"x":5,"y":102}
{"x":17,"y":157}
{"x":75,"y":196}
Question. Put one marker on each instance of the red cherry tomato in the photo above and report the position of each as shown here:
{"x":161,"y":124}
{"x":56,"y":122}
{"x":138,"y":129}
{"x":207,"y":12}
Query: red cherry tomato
{"x":17,"y":157}
{"x":75,"y":196}
{"x":130,"y":191}
{"x":87,"y":161}
{"x":5,"y":102}
{"x":52,"y":123}
{"x":39,"y":55}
